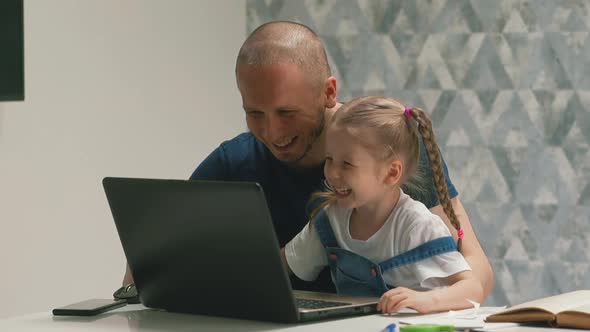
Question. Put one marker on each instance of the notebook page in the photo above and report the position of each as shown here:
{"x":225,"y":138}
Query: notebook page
{"x":583,"y":309}
{"x":462,"y":319}
{"x":555,"y":304}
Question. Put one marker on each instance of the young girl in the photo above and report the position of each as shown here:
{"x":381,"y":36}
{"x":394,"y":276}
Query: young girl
{"x":376,"y":239}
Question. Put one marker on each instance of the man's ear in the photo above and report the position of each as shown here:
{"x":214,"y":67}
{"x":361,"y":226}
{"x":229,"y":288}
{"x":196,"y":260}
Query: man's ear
{"x":394,"y":173}
{"x":330,"y":91}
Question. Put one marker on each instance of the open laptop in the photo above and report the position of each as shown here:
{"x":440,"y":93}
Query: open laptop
{"x":209,"y":248}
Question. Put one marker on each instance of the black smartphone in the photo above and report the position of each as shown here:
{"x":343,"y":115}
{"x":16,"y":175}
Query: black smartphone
{"x":89,"y":307}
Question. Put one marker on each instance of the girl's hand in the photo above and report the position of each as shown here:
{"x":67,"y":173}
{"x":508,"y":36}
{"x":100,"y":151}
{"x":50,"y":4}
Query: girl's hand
{"x":400,"y":297}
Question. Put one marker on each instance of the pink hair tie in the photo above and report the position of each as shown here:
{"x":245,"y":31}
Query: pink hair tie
{"x":408,"y":112}
{"x":460,"y":233}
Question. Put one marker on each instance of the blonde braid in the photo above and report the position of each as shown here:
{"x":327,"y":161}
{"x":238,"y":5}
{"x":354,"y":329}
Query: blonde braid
{"x":440,"y":183}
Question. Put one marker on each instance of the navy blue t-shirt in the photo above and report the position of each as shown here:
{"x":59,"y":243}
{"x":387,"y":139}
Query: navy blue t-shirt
{"x":288,"y":190}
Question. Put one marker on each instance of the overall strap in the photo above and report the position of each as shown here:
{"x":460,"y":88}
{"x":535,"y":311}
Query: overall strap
{"x":426,"y":250}
{"x":324,"y":229}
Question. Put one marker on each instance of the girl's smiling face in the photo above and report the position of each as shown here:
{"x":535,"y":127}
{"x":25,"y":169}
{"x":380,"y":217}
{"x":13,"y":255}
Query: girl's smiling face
{"x":357,"y":177}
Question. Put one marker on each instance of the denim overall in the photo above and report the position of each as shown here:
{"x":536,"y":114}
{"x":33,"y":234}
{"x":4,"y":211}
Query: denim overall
{"x":356,"y":275}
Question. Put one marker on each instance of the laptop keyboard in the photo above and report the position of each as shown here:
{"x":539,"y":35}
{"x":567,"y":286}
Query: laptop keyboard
{"x":317,"y":304}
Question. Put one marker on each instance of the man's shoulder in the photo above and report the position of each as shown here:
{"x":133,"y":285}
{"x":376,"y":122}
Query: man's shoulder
{"x":242,"y":158}
{"x":240,"y":141}
{"x":243,"y":147}
{"x":423,"y":188}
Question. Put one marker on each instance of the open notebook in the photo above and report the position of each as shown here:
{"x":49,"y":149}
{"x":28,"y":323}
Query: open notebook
{"x":565,"y":310}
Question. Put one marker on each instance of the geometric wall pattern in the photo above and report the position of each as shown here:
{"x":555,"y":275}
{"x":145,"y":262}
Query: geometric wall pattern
{"x":507,"y":84}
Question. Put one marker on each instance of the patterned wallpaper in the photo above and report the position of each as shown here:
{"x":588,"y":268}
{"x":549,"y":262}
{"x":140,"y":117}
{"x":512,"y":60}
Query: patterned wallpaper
{"x":507,"y":84}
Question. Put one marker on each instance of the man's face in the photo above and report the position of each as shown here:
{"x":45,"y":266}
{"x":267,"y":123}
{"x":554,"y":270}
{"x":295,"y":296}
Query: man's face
{"x":284,"y":110}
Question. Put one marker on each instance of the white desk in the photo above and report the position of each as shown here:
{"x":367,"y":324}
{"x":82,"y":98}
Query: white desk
{"x":138,"y":318}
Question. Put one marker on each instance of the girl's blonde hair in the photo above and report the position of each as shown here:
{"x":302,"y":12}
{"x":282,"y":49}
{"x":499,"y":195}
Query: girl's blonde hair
{"x":397,"y":131}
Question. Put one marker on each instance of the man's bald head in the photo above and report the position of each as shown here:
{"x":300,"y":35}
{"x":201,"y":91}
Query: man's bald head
{"x":286,"y":42}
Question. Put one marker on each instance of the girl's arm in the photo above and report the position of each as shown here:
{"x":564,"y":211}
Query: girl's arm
{"x":284,"y":260}
{"x":463,"y":286}
{"x":305,"y":256}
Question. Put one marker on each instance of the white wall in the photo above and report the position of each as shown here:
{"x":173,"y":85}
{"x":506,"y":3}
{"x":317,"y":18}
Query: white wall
{"x":141,"y":88}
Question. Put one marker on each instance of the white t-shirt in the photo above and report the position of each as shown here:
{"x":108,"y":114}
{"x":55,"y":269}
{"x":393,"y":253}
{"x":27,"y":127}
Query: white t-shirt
{"x":409,"y":225}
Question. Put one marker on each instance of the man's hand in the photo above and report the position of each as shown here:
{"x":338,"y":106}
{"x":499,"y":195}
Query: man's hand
{"x":128,"y":278}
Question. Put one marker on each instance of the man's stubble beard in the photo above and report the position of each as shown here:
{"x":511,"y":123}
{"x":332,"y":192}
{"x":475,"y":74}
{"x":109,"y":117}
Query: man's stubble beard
{"x":316,"y":133}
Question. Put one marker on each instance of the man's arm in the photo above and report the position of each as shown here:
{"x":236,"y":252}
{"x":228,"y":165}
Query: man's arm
{"x":471,"y":250}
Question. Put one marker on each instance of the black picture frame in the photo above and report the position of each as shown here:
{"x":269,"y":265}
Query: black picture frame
{"x":12,"y":74}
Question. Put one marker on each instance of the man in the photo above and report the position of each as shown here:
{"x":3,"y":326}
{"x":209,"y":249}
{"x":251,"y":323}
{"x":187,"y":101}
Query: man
{"x":288,"y":94}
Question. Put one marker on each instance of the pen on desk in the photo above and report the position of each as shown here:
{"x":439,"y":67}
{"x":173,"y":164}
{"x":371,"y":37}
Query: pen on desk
{"x":390,"y":328}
